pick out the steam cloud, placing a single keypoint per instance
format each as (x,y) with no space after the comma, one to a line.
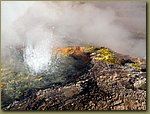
(120,26)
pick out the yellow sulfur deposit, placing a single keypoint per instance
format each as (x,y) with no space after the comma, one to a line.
(136,66)
(105,54)
(89,49)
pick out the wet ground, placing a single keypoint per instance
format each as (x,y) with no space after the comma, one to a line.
(99,79)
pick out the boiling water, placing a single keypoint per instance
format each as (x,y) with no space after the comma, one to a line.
(38,57)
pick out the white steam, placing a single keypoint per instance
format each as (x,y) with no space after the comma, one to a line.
(120,26)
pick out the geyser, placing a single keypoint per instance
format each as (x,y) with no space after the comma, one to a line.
(37,58)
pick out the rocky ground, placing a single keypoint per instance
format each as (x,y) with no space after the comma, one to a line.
(111,81)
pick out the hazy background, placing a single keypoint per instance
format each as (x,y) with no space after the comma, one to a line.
(120,26)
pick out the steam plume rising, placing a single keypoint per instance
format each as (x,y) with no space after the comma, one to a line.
(120,26)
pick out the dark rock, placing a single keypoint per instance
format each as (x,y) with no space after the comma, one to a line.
(102,87)
(124,61)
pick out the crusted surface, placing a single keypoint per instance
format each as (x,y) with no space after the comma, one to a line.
(107,85)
